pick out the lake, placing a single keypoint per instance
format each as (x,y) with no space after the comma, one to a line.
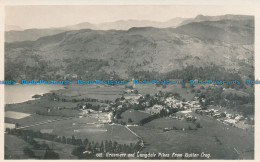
(20,93)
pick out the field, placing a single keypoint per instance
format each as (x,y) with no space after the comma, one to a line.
(233,91)
(8,125)
(14,148)
(215,138)
(239,124)
(40,110)
(91,91)
(152,89)
(38,106)
(113,92)
(169,123)
(135,116)
(16,115)
(33,119)
(85,128)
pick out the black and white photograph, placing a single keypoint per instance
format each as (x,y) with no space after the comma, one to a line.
(129,82)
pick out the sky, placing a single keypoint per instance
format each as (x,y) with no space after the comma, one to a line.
(40,16)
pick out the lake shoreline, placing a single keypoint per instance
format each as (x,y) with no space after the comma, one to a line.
(15,94)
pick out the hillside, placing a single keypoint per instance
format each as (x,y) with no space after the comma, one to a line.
(14,33)
(229,31)
(30,34)
(224,43)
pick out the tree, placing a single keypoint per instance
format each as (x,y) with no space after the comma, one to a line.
(63,139)
(122,123)
(27,151)
(73,140)
(50,154)
(115,146)
(85,141)
(79,142)
(223,115)
(78,151)
(102,146)
(198,125)
(130,120)
(147,96)
(69,140)
(8,130)
(135,91)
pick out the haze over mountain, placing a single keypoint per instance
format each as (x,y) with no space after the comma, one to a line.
(13,27)
(224,43)
(127,24)
(84,25)
(34,34)
(30,34)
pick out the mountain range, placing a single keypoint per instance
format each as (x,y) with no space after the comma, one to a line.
(15,33)
(226,42)
(33,34)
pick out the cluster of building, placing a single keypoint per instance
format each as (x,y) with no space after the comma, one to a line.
(162,102)
(226,118)
(186,117)
(172,102)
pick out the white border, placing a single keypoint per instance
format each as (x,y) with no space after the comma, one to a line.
(255,3)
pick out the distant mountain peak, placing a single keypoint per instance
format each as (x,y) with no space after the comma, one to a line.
(200,18)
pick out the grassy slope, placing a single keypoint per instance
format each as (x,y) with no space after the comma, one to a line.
(64,150)
(14,147)
(135,115)
(197,141)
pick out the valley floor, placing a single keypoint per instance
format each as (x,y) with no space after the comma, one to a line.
(165,135)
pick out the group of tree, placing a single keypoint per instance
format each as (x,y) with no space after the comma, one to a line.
(55,97)
(188,73)
(88,68)
(46,151)
(242,103)
(162,113)
(87,152)
(143,102)
(90,148)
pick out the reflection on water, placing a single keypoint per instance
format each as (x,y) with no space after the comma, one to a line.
(21,93)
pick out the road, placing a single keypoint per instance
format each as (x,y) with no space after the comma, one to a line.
(140,138)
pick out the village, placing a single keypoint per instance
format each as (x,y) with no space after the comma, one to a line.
(168,102)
